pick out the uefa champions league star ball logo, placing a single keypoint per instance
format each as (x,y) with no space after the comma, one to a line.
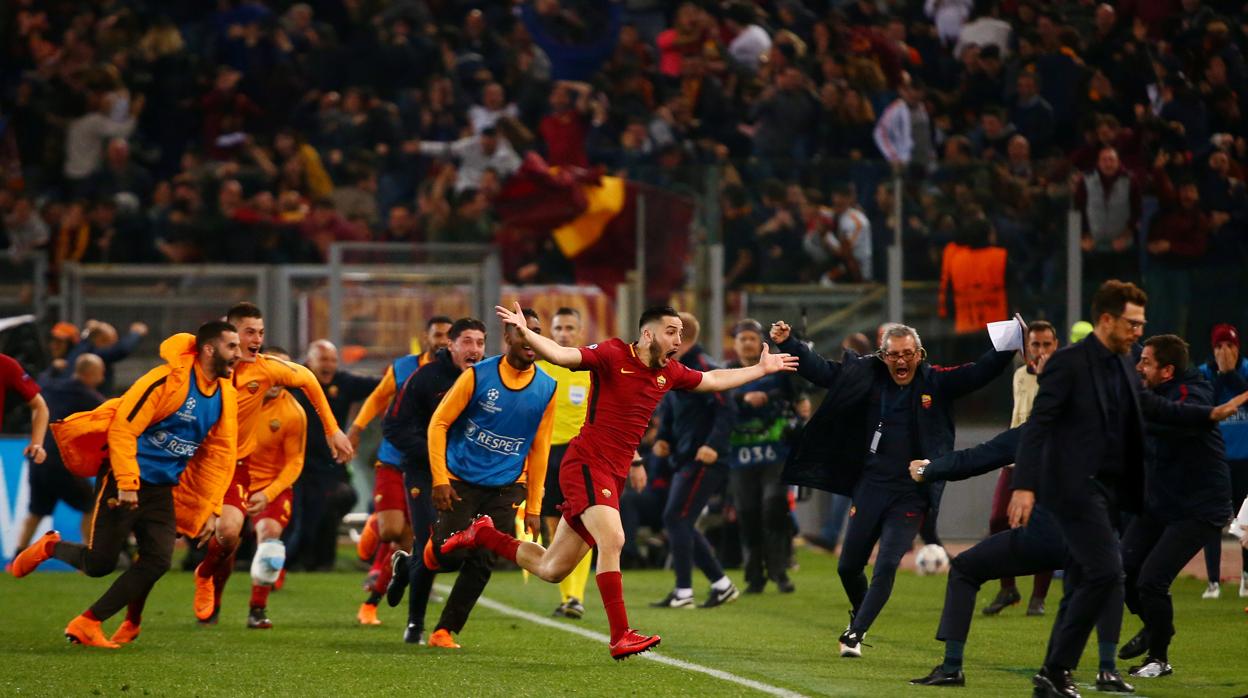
(491,396)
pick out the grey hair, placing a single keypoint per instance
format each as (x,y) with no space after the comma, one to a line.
(898,330)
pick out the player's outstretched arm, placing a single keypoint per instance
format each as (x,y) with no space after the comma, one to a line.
(729,378)
(544,347)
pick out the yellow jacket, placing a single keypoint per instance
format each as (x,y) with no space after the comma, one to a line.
(112,430)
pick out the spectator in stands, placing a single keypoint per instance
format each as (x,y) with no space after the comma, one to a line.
(23,227)
(358,201)
(109,115)
(493,106)
(849,239)
(401,226)
(750,42)
(1032,115)
(325,226)
(475,154)
(1177,240)
(903,133)
(565,129)
(1109,200)
(121,175)
(783,115)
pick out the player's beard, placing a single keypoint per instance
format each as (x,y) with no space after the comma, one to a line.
(220,367)
(655,355)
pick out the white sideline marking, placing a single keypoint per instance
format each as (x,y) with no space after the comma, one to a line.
(651,655)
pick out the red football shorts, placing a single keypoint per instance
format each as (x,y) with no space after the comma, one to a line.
(239,492)
(585,485)
(389,492)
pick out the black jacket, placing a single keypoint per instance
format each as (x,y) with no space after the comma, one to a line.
(1186,472)
(344,390)
(406,424)
(832,449)
(1062,447)
(997,452)
(690,420)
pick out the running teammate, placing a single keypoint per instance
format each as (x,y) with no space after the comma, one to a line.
(488,445)
(628,382)
(406,426)
(163,455)
(389,527)
(261,490)
(255,374)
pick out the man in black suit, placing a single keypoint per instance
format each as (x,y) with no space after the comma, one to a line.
(1082,452)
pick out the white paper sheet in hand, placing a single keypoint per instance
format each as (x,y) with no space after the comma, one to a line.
(1006,335)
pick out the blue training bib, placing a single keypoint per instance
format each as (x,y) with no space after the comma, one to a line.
(489,441)
(164,448)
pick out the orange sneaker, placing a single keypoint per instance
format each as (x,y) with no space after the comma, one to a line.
(84,631)
(205,597)
(443,638)
(367,615)
(30,558)
(370,538)
(126,633)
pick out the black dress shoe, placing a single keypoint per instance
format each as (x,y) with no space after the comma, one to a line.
(755,587)
(1135,647)
(786,585)
(1055,683)
(1111,682)
(940,677)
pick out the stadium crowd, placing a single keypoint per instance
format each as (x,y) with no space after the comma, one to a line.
(249,131)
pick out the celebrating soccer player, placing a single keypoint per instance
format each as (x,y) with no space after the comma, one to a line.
(628,382)
(261,491)
(406,427)
(171,439)
(256,373)
(389,527)
(488,445)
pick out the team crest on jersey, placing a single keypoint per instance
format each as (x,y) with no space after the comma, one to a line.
(662,381)
(253,387)
(333,391)
(606,492)
(275,424)
(926,401)
(414,492)
(377,498)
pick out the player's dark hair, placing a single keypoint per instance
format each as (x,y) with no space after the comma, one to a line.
(1041,326)
(656,312)
(1169,350)
(274,349)
(565,310)
(243,310)
(464,324)
(439,320)
(210,331)
(1112,297)
(531,313)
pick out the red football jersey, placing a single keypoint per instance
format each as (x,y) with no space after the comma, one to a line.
(14,377)
(623,395)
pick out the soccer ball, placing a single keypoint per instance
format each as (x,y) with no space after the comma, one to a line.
(932,559)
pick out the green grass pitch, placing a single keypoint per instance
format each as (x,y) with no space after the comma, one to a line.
(788,642)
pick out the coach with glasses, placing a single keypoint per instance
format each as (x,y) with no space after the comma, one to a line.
(880,412)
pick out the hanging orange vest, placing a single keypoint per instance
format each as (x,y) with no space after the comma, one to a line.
(977,278)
